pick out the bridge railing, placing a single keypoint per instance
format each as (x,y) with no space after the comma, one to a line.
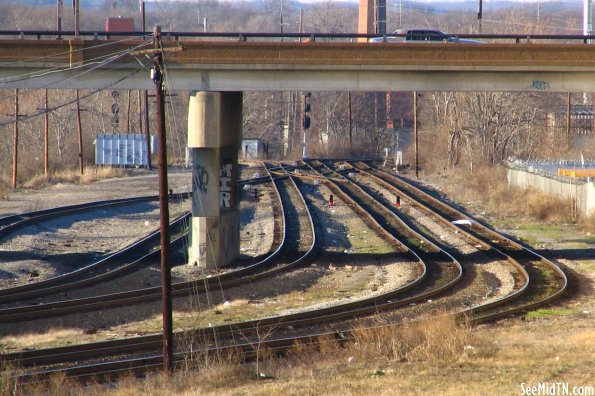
(298,37)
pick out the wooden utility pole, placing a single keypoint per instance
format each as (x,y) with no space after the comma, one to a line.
(479,17)
(147,129)
(77,25)
(59,17)
(15,156)
(128,114)
(140,111)
(568,119)
(80,131)
(350,122)
(46,135)
(415,133)
(157,75)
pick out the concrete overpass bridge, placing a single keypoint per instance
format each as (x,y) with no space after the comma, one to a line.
(218,68)
(239,62)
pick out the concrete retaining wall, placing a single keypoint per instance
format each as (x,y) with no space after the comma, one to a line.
(580,192)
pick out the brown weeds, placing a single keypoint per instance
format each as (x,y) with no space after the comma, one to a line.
(90,174)
(438,339)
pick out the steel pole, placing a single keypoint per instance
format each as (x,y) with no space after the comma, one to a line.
(164,209)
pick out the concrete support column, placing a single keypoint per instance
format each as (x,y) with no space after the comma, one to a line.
(214,138)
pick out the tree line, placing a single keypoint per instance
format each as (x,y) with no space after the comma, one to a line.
(457,129)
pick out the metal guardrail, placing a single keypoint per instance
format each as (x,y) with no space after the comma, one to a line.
(309,37)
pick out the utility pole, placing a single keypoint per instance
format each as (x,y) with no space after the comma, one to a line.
(146,98)
(77,26)
(147,129)
(157,76)
(46,136)
(80,131)
(350,122)
(281,18)
(59,7)
(16,139)
(139,110)
(415,133)
(480,16)
(142,17)
(128,114)
(568,119)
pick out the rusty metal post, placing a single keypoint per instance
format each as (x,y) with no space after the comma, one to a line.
(16,139)
(46,135)
(80,131)
(415,133)
(163,207)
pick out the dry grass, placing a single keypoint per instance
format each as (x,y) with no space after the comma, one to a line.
(438,339)
(434,357)
(41,340)
(90,174)
(587,225)
(489,185)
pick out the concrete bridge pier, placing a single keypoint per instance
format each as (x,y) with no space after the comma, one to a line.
(214,138)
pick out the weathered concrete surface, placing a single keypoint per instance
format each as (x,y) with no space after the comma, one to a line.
(214,137)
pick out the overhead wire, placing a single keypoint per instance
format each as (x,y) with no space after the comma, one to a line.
(53,108)
(96,64)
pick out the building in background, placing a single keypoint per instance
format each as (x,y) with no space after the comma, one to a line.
(253,149)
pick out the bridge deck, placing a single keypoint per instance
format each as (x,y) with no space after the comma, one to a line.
(249,65)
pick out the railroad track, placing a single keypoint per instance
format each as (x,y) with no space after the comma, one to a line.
(545,280)
(154,342)
(486,312)
(293,251)
(246,274)
(288,321)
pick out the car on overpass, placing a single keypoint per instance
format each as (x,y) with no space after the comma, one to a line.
(421,35)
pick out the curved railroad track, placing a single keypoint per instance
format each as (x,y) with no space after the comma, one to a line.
(535,291)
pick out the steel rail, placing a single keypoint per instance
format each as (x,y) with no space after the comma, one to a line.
(121,262)
(513,247)
(519,291)
(152,341)
(340,311)
(235,277)
(292,340)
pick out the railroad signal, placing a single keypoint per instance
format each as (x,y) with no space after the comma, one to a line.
(398,202)
(306,122)
(331,201)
